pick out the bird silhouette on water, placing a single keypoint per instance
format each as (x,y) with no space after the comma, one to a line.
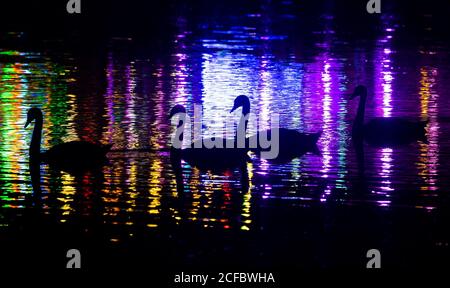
(384,131)
(217,158)
(73,157)
(291,144)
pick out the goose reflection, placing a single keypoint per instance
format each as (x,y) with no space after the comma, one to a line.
(292,144)
(74,157)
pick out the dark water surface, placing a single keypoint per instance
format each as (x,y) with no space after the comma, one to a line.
(317,211)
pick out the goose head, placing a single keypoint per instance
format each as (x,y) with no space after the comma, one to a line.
(360,90)
(241,101)
(177,109)
(33,114)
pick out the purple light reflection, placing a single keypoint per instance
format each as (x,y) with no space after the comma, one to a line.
(383,83)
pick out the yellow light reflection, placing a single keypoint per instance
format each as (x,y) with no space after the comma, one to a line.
(428,161)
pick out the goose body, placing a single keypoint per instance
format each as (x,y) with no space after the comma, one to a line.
(384,131)
(74,156)
(215,159)
(292,143)
(393,131)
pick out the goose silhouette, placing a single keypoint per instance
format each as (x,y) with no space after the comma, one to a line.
(72,157)
(384,131)
(292,143)
(197,155)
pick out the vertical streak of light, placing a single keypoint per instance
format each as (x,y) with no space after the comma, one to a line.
(181,75)
(109,98)
(180,71)
(265,92)
(11,97)
(386,168)
(130,110)
(180,66)
(246,205)
(66,195)
(429,152)
(111,191)
(132,187)
(112,194)
(384,80)
(326,117)
(160,116)
(342,148)
(155,187)
(194,187)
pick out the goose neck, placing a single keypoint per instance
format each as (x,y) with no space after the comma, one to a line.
(35,145)
(180,128)
(243,123)
(361,110)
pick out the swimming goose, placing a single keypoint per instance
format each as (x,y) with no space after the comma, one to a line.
(384,131)
(292,144)
(74,156)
